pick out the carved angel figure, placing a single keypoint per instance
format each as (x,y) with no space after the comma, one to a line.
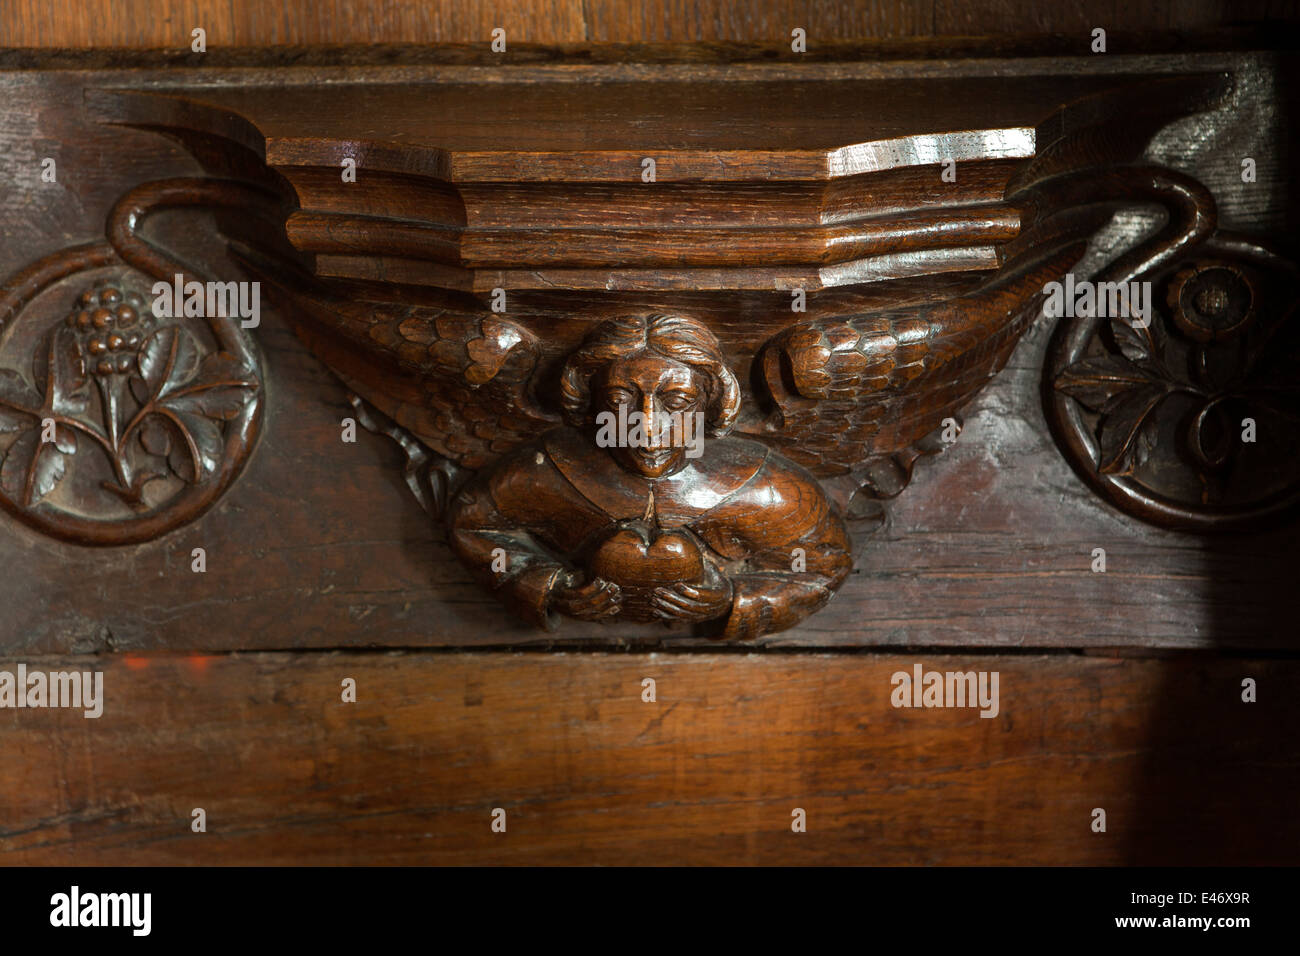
(640,529)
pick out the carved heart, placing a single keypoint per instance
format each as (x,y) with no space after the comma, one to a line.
(639,558)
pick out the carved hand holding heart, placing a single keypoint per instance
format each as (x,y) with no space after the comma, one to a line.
(639,558)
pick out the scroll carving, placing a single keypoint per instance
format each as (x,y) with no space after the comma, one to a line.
(1187,417)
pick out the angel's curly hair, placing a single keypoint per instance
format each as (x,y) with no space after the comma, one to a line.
(672,336)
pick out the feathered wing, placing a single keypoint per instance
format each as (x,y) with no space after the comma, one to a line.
(471,397)
(850,390)
(460,382)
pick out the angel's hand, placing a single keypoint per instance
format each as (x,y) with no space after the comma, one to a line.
(694,602)
(596,600)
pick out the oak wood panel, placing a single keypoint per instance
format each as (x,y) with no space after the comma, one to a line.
(319,544)
(710,773)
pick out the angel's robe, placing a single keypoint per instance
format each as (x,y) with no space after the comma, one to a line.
(522,523)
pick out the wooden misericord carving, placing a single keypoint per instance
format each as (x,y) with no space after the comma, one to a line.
(643,371)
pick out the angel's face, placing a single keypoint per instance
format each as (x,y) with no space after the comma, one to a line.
(670,398)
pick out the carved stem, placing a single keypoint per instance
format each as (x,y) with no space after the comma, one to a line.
(110,390)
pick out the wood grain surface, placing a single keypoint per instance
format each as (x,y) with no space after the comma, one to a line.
(140,23)
(588,773)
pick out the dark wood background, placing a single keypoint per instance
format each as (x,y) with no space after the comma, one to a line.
(1119,690)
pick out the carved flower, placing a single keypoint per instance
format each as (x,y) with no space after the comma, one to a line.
(1212,302)
(1212,355)
(163,398)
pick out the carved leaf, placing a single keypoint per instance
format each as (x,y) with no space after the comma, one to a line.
(1101,384)
(1122,434)
(216,392)
(220,403)
(198,454)
(194,397)
(168,359)
(1140,345)
(18,402)
(33,468)
(65,373)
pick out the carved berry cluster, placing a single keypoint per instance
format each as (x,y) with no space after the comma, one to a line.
(110,326)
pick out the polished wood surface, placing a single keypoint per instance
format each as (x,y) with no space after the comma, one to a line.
(392,291)
(710,773)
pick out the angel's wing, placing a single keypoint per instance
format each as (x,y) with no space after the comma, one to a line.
(459,381)
(853,389)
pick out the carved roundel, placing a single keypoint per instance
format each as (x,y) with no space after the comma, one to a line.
(1190,422)
(117,424)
